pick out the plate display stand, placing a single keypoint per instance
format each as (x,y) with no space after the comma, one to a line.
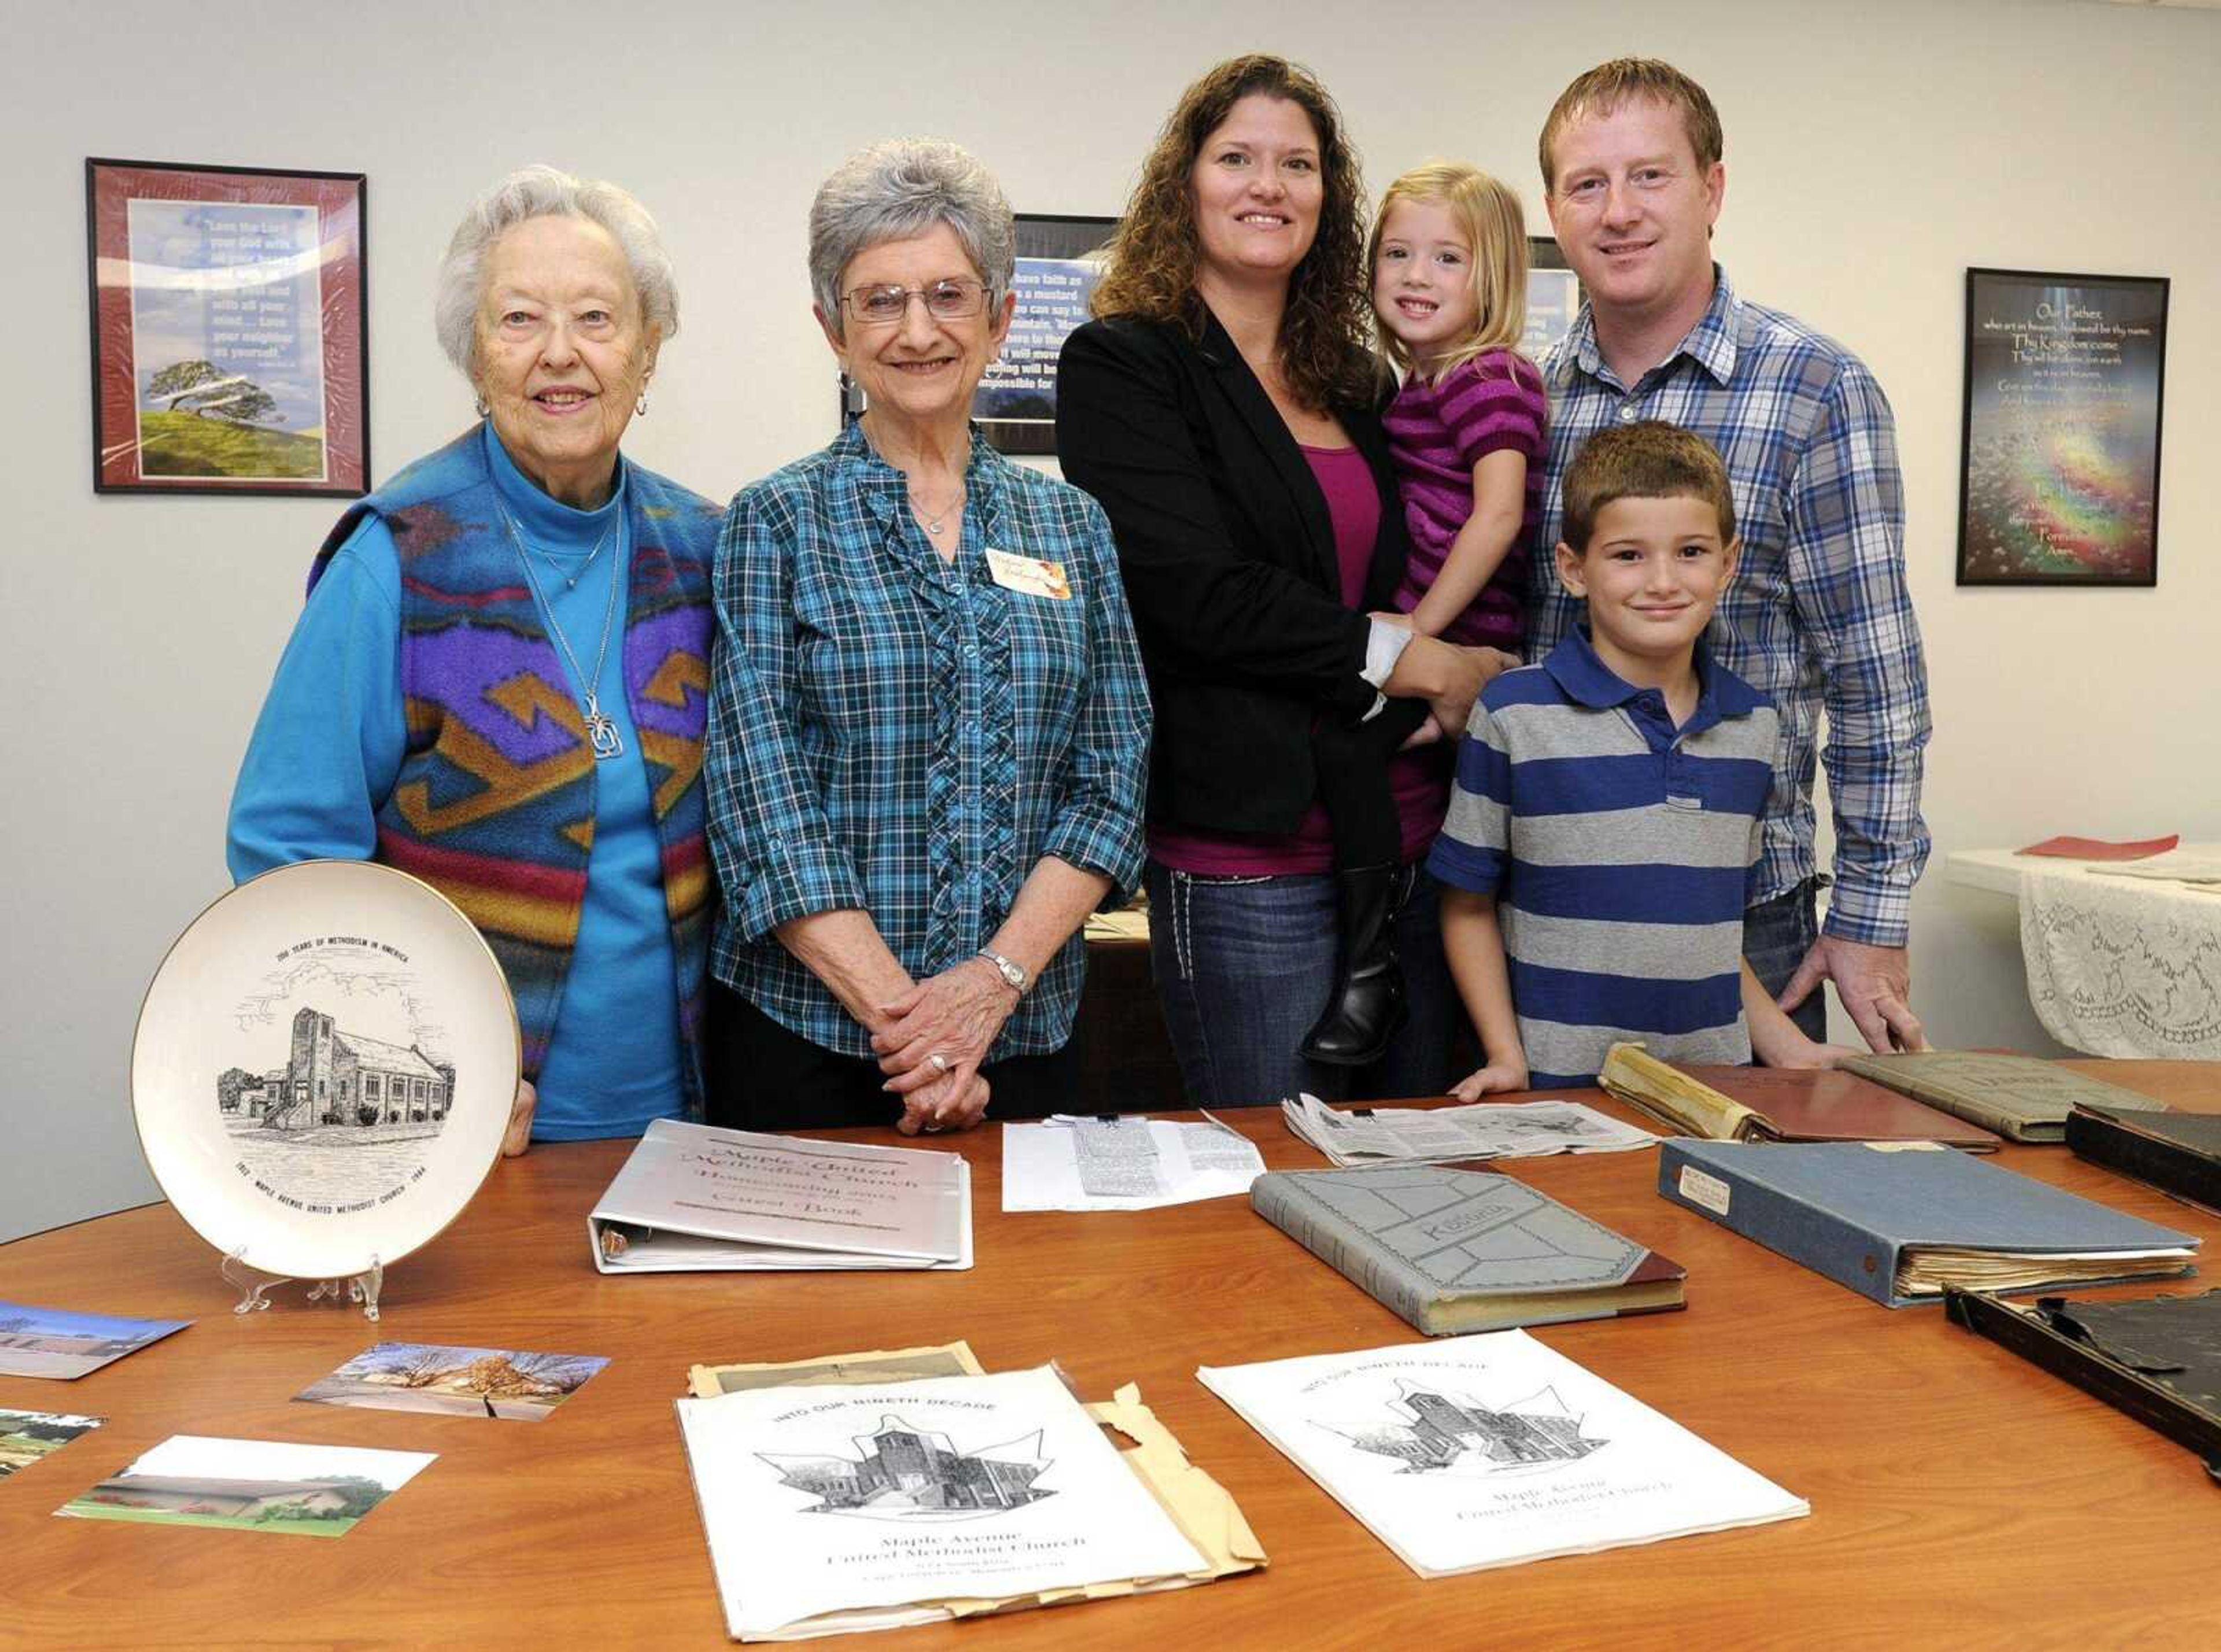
(254,1293)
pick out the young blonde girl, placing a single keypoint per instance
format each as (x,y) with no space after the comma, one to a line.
(1448,261)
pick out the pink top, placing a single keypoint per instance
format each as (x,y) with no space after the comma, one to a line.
(1419,779)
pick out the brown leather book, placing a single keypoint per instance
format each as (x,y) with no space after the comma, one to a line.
(1772,1103)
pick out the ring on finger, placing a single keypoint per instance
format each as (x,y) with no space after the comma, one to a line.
(938,1062)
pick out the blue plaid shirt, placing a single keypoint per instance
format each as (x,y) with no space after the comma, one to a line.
(896,733)
(1818,613)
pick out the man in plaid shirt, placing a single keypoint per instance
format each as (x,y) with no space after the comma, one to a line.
(1818,613)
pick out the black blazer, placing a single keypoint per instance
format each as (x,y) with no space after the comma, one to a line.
(1227,555)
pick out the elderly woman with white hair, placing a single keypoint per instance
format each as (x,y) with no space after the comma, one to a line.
(497,683)
(927,724)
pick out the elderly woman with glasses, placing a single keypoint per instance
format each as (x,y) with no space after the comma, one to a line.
(517,718)
(927,724)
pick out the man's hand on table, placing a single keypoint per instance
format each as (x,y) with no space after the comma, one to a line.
(1874,985)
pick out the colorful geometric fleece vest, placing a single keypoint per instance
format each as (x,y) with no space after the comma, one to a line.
(494,805)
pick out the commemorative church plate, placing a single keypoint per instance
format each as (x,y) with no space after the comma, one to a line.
(324,1067)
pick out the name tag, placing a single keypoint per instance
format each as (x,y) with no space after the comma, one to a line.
(1028,574)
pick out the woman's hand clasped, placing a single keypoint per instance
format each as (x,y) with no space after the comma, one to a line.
(954,1103)
(935,1037)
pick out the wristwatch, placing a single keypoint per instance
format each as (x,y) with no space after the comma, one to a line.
(1010,969)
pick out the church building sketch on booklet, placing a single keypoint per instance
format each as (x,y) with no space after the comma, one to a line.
(901,1473)
(1434,1430)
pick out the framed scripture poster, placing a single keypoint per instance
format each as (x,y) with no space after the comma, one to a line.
(1058,268)
(2058,473)
(229,347)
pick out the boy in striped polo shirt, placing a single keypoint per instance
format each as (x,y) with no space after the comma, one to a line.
(1605,820)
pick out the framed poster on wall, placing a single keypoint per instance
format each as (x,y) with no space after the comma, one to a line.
(2059,468)
(229,330)
(1554,298)
(1058,268)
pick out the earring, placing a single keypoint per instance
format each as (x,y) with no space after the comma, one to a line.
(483,406)
(642,409)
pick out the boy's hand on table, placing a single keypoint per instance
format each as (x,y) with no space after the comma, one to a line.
(1808,1056)
(1495,1077)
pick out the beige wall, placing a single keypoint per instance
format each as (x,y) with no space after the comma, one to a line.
(1874,151)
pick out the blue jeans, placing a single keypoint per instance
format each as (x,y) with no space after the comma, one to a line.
(1776,935)
(1244,967)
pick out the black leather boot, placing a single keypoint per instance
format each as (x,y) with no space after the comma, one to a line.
(1366,1009)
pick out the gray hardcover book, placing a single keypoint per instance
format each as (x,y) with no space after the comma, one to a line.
(1465,1250)
(2019,1097)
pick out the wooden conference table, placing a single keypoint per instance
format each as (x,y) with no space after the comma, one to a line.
(1959,1497)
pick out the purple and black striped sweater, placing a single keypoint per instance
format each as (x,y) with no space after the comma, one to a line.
(1438,433)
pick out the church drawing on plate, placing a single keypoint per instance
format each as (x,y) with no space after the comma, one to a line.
(335,1077)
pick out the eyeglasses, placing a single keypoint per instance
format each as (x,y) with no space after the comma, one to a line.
(945,301)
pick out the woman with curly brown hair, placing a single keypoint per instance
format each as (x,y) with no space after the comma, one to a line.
(1223,409)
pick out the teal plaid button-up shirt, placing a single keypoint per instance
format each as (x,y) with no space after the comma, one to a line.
(897,733)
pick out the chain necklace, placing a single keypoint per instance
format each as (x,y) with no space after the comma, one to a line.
(932,520)
(601,731)
(554,564)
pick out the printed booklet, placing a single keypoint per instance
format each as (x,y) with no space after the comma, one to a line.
(831,1508)
(1490,1450)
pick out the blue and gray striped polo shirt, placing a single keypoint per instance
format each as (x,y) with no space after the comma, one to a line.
(1619,850)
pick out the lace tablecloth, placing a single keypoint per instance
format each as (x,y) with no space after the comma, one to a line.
(2123,967)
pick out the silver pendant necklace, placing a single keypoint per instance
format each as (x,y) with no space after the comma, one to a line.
(601,729)
(554,564)
(932,521)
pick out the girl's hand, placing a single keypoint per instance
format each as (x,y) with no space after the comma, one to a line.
(1496,1077)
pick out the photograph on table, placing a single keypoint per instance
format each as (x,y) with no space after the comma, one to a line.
(52,1342)
(229,329)
(26,1437)
(522,1387)
(2058,472)
(300,1491)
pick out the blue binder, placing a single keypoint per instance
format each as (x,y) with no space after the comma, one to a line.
(1849,1209)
